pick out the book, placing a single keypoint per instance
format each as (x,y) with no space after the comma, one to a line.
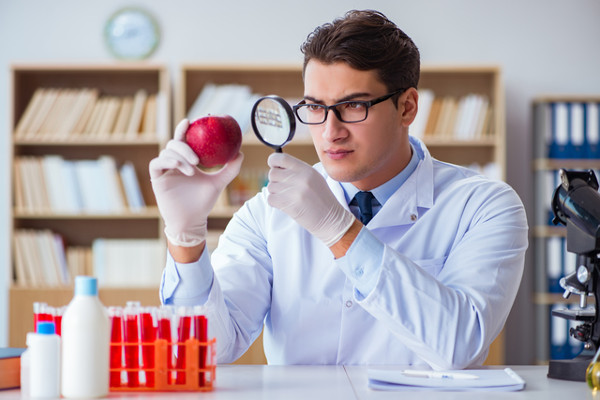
(592,130)
(434,113)
(128,262)
(417,128)
(137,113)
(123,116)
(88,103)
(52,170)
(105,127)
(39,118)
(453,380)
(131,187)
(91,186)
(24,247)
(32,109)
(110,184)
(19,190)
(10,367)
(149,116)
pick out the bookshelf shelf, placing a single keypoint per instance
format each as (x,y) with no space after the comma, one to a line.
(115,140)
(563,130)
(451,142)
(147,213)
(103,138)
(548,299)
(543,164)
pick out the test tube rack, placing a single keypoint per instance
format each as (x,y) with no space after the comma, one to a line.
(198,373)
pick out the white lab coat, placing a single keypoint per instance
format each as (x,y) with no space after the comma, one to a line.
(446,254)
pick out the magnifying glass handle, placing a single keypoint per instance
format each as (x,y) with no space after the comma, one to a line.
(278,150)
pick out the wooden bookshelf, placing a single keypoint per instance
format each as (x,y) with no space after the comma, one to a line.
(138,147)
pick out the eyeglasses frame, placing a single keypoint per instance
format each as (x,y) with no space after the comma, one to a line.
(333,107)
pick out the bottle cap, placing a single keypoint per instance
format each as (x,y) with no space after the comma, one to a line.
(86,286)
(46,328)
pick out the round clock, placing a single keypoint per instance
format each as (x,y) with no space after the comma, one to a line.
(131,33)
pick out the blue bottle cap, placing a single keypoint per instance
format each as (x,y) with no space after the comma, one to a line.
(86,286)
(46,328)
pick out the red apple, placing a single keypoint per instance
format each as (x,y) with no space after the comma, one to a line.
(216,139)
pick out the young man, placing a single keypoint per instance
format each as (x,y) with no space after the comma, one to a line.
(430,279)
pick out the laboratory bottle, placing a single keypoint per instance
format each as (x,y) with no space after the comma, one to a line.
(25,374)
(85,343)
(43,348)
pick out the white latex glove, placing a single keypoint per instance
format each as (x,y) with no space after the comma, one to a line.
(300,191)
(185,195)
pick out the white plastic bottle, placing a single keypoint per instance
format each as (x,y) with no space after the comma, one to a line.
(25,374)
(43,348)
(85,343)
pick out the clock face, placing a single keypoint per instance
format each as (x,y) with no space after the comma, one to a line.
(131,33)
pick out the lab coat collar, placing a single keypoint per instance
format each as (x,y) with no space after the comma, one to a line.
(403,206)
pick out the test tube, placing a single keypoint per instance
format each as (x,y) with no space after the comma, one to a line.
(183,333)
(40,313)
(59,311)
(164,316)
(116,344)
(201,333)
(132,340)
(148,339)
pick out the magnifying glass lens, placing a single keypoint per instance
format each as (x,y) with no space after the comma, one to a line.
(273,121)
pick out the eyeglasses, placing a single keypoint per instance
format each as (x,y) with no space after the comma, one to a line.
(347,111)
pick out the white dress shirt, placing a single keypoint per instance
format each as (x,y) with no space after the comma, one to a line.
(430,280)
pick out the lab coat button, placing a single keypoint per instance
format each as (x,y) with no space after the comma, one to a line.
(349,303)
(359,272)
(413,217)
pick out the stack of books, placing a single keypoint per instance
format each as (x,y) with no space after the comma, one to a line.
(52,184)
(42,259)
(447,117)
(64,114)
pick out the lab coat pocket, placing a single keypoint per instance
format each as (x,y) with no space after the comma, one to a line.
(432,266)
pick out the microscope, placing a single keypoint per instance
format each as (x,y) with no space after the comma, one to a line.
(576,204)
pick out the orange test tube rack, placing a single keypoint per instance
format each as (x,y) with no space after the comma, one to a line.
(199,376)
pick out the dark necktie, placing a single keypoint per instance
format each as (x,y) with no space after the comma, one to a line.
(364,204)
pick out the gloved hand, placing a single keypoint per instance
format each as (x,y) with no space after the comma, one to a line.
(300,191)
(185,195)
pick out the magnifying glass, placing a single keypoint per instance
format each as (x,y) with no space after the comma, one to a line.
(273,121)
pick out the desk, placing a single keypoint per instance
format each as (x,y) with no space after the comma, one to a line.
(250,382)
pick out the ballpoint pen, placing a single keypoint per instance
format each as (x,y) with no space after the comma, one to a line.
(438,375)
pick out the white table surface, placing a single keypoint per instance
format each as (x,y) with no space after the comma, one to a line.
(263,382)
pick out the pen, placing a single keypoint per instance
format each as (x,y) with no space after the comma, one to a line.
(438,375)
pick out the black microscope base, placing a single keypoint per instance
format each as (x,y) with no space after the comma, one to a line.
(569,370)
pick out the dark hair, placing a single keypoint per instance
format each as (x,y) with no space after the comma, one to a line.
(366,40)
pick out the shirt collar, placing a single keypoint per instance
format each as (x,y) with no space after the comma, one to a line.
(383,192)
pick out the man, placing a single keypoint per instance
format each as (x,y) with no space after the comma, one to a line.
(430,279)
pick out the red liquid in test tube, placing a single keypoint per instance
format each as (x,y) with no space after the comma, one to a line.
(132,339)
(41,312)
(59,311)
(116,346)
(183,334)
(164,332)
(148,338)
(201,333)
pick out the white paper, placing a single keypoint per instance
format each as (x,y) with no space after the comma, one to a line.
(488,380)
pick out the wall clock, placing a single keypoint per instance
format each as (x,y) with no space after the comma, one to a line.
(131,33)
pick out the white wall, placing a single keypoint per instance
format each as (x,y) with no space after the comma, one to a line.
(543,46)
